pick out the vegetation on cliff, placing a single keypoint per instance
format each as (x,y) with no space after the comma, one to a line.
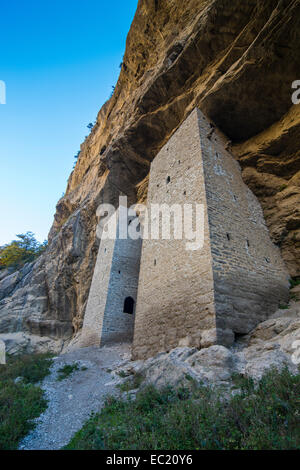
(265,416)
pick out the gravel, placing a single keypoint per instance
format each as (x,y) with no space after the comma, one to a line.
(72,400)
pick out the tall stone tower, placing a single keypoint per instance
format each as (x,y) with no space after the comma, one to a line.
(110,311)
(210,295)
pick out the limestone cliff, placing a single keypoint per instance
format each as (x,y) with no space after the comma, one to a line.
(236,61)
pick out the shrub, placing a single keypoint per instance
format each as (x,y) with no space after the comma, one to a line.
(23,401)
(257,417)
(67,370)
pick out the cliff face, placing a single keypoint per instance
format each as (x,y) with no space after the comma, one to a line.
(236,61)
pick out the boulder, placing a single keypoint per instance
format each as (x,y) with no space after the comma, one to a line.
(22,343)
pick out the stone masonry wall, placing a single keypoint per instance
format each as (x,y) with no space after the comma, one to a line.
(175,302)
(237,279)
(250,277)
(115,278)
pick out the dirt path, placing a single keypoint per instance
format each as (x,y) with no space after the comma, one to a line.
(72,400)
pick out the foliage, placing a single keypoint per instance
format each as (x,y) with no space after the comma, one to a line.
(295,282)
(265,416)
(67,370)
(18,252)
(122,374)
(21,401)
(132,383)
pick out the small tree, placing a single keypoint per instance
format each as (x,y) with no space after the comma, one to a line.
(21,251)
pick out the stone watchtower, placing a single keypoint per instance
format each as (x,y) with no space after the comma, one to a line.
(189,297)
(109,315)
(198,298)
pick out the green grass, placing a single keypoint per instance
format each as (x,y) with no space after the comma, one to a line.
(263,417)
(122,374)
(67,370)
(283,307)
(21,402)
(294,282)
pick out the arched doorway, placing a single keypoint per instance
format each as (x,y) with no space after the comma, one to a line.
(128,305)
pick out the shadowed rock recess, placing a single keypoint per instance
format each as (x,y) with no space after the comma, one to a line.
(236,62)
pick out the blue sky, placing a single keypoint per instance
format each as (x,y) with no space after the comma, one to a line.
(59,60)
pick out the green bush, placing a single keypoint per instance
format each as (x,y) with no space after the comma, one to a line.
(18,252)
(262,417)
(133,382)
(23,401)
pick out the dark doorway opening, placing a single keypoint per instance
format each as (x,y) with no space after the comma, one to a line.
(128,305)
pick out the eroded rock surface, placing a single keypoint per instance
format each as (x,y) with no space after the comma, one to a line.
(72,400)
